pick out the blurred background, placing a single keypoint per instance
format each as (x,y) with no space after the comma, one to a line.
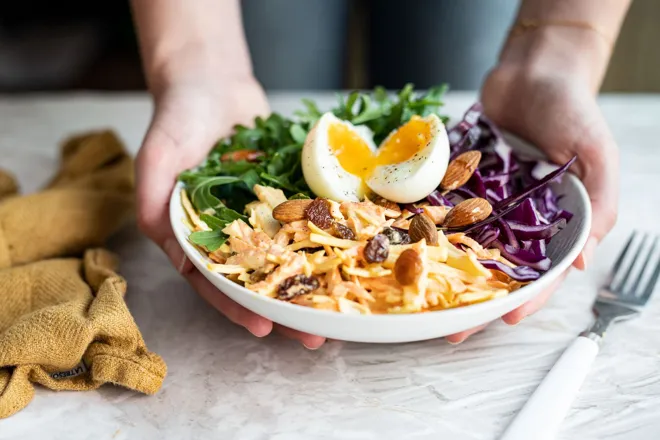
(302,44)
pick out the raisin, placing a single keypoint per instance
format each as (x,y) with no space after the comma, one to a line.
(377,249)
(318,212)
(341,231)
(396,236)
(297,285)
(258,275)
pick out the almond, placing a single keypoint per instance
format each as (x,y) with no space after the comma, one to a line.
(460,170)
(408,267)
(468,212)
(291,210)
(421,227)
(238,155)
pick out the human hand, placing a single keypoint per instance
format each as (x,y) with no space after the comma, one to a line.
(188,120)
(556,110)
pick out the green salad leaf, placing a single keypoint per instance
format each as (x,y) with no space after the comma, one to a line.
(210,240)
(219,189)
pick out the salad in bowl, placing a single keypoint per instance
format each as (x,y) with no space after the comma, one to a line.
(374,207)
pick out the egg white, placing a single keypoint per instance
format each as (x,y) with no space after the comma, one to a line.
(322,170)
(415,178)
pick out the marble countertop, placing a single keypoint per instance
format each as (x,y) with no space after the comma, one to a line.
(224,383)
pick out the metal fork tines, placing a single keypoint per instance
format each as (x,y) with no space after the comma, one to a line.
(632,281)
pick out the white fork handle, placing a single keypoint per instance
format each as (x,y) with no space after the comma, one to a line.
(544,411)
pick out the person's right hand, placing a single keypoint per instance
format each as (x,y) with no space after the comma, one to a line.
(188,120)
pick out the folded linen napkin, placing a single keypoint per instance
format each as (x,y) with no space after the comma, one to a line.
(63,320)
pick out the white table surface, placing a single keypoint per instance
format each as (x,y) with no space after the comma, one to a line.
(223,383)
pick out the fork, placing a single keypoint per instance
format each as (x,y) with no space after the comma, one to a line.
(628,289)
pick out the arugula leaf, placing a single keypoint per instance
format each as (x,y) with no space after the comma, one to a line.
(368,111)
(210,240)
(250,178)
(299,196)
(312,109)
(298,133)
(380,95)
(201,195)
(213,222)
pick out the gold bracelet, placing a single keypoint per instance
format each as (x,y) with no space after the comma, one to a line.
(522,26)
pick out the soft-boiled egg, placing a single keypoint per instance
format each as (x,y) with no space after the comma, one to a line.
(341,162)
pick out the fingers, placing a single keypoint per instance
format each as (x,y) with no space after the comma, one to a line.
(310,342)
(599,165)
(457,338)
(255,324)
(515,316)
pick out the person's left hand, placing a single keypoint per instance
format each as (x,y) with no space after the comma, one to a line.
(558,113)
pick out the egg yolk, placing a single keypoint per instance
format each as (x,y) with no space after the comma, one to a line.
(355,156)
(352,152)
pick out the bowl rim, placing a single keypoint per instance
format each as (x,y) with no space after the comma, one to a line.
(552,274)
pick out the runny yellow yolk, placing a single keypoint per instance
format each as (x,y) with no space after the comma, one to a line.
(355,156)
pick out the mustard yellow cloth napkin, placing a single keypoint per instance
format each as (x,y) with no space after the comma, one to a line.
(89,198)
(63,320)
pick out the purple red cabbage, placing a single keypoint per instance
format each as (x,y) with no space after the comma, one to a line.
(523,257)
(437,199)
(519,273)
(487,236)
(413,209)
(526,213)
(536,232)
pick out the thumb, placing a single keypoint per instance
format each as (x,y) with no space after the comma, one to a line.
(166,151)
(598,167)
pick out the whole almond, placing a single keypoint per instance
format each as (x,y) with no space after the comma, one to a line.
(408,267)
(291,210)
(421,227)
(460,170)
(468,212)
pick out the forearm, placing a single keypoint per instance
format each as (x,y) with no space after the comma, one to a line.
(575,35)
(182,41)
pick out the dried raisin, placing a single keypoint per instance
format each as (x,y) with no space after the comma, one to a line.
(297,285)
(377,249)
(258,275)
(396,236)
(341,231)
(318,212)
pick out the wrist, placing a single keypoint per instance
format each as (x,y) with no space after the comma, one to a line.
(196,65)
(578,53)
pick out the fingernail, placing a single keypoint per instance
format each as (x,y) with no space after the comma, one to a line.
(175,254)
(456,342)
(258,334)
(514,323)
(308,347)
(589,250)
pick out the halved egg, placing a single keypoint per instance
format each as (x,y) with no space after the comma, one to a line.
(341,162)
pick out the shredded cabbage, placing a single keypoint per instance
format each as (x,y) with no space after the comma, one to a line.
(526,213)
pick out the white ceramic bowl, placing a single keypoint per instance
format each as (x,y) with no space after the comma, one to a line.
(563,250)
